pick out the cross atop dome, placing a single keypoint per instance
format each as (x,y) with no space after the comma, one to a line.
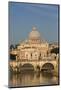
(34,28)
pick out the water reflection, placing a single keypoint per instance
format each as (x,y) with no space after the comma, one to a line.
(32,79)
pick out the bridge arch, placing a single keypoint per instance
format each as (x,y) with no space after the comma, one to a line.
(47,67)
(27,66)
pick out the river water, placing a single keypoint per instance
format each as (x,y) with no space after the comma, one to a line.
(31,79)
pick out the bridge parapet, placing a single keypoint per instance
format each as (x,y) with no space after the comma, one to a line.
(34,60)
(34,63)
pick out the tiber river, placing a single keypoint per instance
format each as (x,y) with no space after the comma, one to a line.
(32,79)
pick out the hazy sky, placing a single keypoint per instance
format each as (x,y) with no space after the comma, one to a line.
(23,16)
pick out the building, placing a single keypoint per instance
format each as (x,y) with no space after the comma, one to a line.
(33,47)
(34,51)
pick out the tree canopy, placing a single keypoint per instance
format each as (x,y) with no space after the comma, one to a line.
(11,46)
(55,50)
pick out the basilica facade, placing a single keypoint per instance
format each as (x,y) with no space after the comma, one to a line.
(34,51)
(32,48)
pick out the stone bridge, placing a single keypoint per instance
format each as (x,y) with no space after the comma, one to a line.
(40,64)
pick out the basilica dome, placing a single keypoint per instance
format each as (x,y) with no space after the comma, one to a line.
(34,34)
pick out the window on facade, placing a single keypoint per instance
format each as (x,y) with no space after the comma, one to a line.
(47,52)
(55,57)
(40,54)
(35,55)
(31,55)
(26,55)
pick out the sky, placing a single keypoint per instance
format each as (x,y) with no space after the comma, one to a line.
(23,16)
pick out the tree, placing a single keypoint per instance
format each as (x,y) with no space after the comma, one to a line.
(12,57)
(55,50)
(16,46)
(11,46)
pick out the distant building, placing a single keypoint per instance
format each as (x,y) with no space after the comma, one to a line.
(34,51)
(32,48)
